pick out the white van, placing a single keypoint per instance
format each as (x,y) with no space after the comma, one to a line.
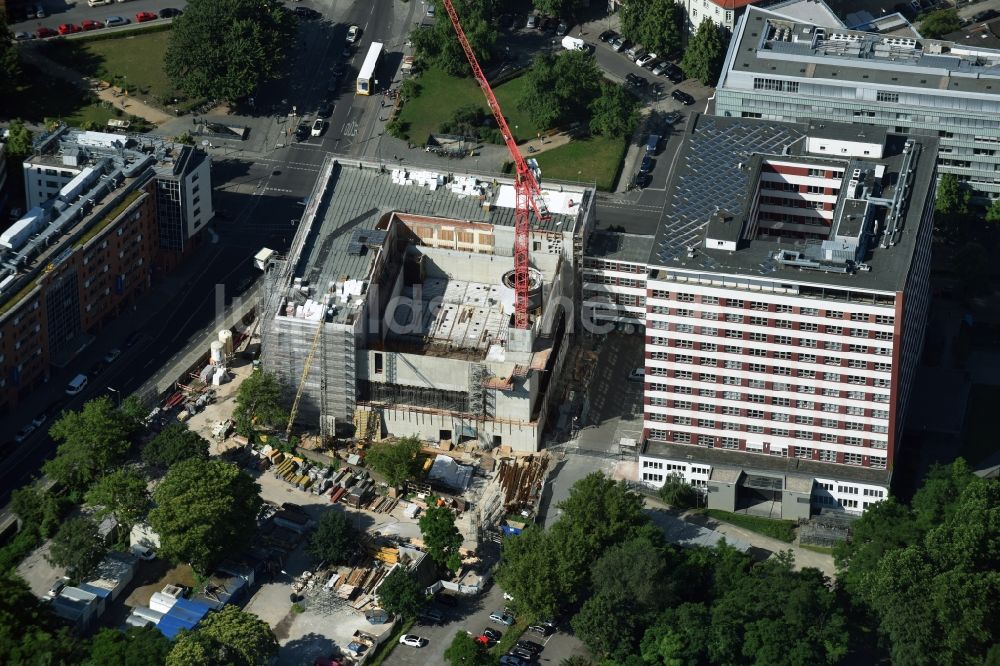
(574,44)
(76,385)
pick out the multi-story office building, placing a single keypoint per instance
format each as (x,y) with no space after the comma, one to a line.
(182,173)
(614,278)
(78,259)
(780,69)
(786,299)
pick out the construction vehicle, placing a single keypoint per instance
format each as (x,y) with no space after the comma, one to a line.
(527,191)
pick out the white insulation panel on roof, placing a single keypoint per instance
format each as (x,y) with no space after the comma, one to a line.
(558,203)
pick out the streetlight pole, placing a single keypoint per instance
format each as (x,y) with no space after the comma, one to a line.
(118,394)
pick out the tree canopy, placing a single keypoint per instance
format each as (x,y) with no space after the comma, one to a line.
(565,9)
(172,445)
(656,24)
(614,113)
(441,538)
(121,494)
(939,23)
(204,510)
(678,494)
(77,546)
(28,631)
(401,594)
(952,198)
(136,646)
(18,145)
(258,403)
(10,65)
(224,49)
(463,651)
(993,212)
(705,52)
(92,441)
(561,88)
(437,46)
(229,635)
(397,460)
(38,509)
(335,539)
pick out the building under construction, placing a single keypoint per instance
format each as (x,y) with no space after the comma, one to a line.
(395,305)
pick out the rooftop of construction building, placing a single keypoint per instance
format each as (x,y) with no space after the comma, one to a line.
(347,217)
(714,187)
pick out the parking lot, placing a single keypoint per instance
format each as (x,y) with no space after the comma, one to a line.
(472,614)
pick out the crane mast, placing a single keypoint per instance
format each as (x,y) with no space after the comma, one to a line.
(526,189)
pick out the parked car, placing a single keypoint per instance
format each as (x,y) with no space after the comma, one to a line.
(353,34)
(306,13)
(643,180)
(318,126)
(608,36)
(532,22)
(485,641)
(40,12)
(618,43)
(522,654)
(671,119)
(412,641)
(24,433)
(302,131)
(143,553)
(674,73)
(634,80)
(57,587)
(495,634)
(76,385)
(502,618)
(142,17)
(325,110)
(637,375)
(170,12)
(113,21)
(562,28)
(90,24)
(68,28)
(21,36)
(98,3)
(660,68)
(682,97)
(645,60)
(646,167)
(430,10)
(40,420)
(112,355)
(512,660)
(530,646)
(542,630)
(634,52)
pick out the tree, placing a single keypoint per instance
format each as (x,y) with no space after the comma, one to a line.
(939,23)
(614,112)
(92,441)
(401,594)
(10,64)
(174,444)
(28,633)
(77,547)
(441,538)
(951,198)
(224,49)
(396,461)
(123,495)
(38,509)
(605,510)
(657,24)
(246,638)
(704,53)
(192,648)
(134,412)
(993,212)
(885,526)
(561,88)
(678,637)
(19,141)
(136,646)
(464,651)
(438,46)
(204,510)
(335,539)
(531,571)
(678,494)
(567,9)
(258,402)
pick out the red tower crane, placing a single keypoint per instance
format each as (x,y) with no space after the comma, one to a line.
(526,188)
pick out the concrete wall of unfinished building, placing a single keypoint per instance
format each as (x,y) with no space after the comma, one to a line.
(428,425)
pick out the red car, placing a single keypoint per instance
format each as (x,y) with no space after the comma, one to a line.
(68,29)
(91,25)
(42,33)
(142,17)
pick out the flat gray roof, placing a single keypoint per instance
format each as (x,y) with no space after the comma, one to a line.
(616,246)
(934,65)
(717,169)
(749,462)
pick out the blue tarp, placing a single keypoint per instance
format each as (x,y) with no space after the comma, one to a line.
(185,614)
(510,531)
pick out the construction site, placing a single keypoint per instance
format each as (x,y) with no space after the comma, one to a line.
(394,309)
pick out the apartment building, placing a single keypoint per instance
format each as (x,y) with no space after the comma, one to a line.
(182,173)
(724,13)
(786,300)
(781,69)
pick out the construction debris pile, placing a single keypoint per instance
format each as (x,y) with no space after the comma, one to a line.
(521,481)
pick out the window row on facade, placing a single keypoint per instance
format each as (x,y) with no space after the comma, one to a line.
(786,406)
(764,306)
(767,427)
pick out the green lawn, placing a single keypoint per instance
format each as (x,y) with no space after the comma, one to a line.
(979,440)
(135,60)
(783,530)
(595,159)
(440,95)
(39,99)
